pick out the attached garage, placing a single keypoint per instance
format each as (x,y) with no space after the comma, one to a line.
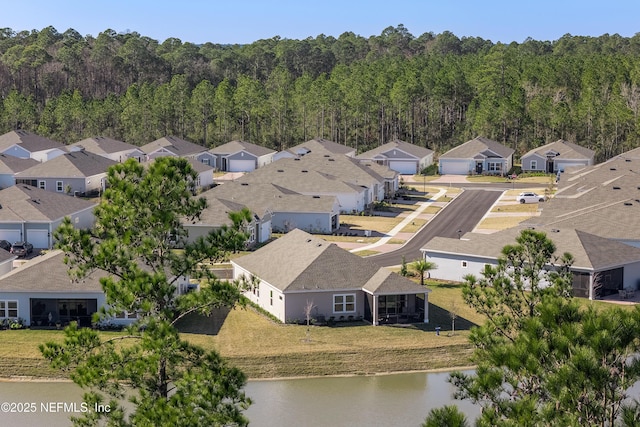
(404,167)
(38,238)
(241,165)
(11,236)
(454,167)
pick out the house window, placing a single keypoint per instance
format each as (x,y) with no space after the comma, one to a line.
(205,160)
(344,303)
(8,309)
(464,264)
(59,186)
(534,164)
(495,167)
(42,185)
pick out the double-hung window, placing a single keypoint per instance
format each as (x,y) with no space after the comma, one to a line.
(344,303)
(8,309)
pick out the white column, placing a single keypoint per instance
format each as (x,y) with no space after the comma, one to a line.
(374,311)
(426,307)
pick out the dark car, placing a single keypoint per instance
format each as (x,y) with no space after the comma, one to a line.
(4,244)
(21,248)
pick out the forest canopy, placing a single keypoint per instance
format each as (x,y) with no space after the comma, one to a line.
(435,90)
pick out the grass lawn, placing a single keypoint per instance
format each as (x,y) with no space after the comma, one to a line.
(366,252)
(382,224)
(501,223)
(350,239)
(416,224)
(517,207)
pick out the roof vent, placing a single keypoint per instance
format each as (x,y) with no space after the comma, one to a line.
(304,171)
(297,159)
(280,170)
(244,183)
(628,204)
(612,169)
(308,240)
(327,155)
(315,197)
(332,160)
(616,188)
(627,160)
(319,244)
(555,230)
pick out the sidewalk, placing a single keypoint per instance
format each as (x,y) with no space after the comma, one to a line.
(398,228)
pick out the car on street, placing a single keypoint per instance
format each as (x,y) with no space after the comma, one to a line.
(21,248)
(5,244)
(529,197)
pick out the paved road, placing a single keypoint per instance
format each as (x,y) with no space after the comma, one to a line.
(463,213)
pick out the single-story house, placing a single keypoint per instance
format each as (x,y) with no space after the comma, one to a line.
(602,199)
(601,266)
(27,145)
(30,214)
(287,209)
(10,165)
(477,156)
(400,156)
(79,172)
(556,156)
(216,215)
(171,146)
(313,145)
(204,171)
(59,299)
(241,156)
(115,150)
(336,283)
(307,179)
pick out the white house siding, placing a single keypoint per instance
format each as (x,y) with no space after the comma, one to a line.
(426,161)
(265,160)
(560,165)
(309,222)
(450,266)
(266,296)
(456,166)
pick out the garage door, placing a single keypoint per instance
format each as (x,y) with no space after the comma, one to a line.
(242,165)
(454,167)
(38,238)
(10,235)
(405,168)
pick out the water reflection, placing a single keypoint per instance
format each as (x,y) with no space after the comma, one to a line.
(399,399)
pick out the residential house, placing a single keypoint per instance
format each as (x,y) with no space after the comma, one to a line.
(216,215)
(31,214)
(27,145)
(115,150)
(477,156)
(204,171)
(172,146)
(556,156)
(298,270)
(400,156)
(284,208)
(602,199)
(241,156)
(601,266)
(289,174)
(316,144)
(77,173)
(10,165)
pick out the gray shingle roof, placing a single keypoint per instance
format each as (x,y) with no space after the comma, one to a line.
(11,165)
(29,141)
(26,203)
(565,150)
(590,252)
(79,164)
(386,282)
(217,212)
(29,277)
(414,150)
(319,144)
(103,145)
(477,145)
(177,146)
(308,263)
(603,200)
(237,146)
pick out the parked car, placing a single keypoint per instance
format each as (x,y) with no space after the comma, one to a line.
(529,197)
(5,244)
(21,248)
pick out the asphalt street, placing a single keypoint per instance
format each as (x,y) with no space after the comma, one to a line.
(460,216)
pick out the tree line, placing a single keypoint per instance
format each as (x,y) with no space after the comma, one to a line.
(435,90)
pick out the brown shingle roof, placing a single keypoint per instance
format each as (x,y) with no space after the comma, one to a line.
(177,146)
(414,150)
(237,146)
(79,164)
(475,146)
(29,141)
(26,203)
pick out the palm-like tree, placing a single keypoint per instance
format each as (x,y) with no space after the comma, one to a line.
(421,266)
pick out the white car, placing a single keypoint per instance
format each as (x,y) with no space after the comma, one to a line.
(529,198)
